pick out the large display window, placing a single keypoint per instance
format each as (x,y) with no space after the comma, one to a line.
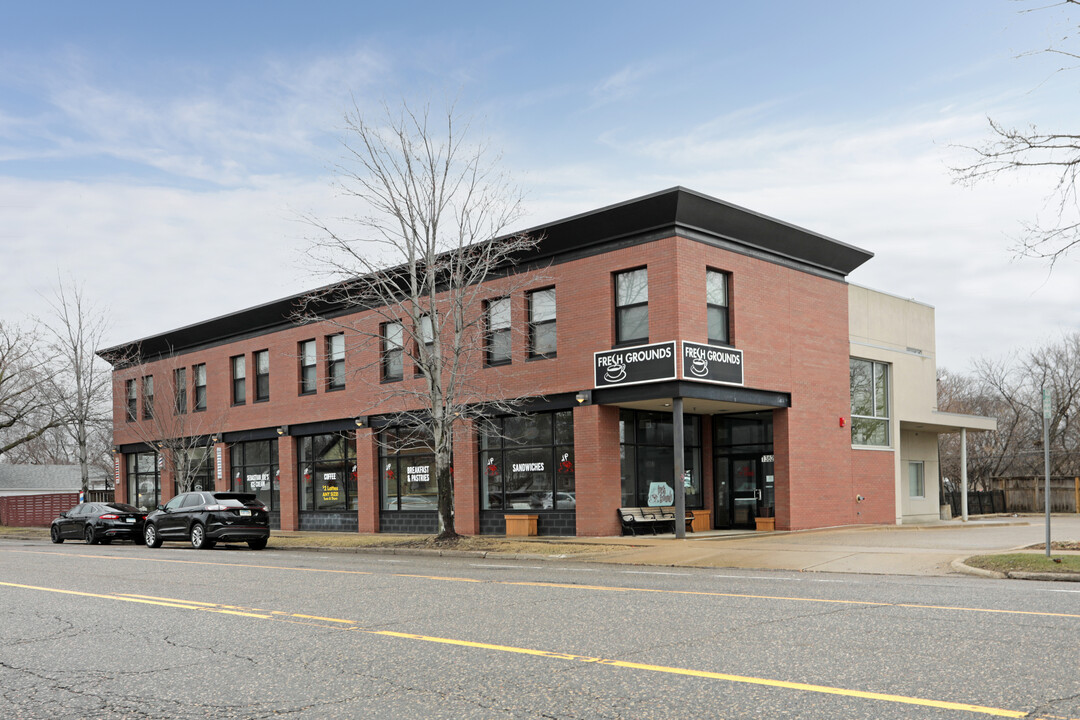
(327,472)
(253,467)
(407,470)
(527,463)
(646,445)
(143,481)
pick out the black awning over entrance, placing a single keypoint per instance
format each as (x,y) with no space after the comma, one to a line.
(712,398)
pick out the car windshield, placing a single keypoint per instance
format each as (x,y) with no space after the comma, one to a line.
(122,507)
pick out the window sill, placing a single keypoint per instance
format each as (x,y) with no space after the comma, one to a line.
(309,392)
(551,356)
(500,363)
(334,389)
(384,381)
(886,448)
(261,400)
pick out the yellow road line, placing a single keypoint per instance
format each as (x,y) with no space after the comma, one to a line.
(570,586)
(705,674)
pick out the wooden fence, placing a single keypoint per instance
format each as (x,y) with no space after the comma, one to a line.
(35,510)
(1028,494)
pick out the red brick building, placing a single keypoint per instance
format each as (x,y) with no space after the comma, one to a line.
(617,315)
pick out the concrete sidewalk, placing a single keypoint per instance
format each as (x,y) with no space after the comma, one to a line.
(890,550)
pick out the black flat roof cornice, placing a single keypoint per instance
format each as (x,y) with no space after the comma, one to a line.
(676,209)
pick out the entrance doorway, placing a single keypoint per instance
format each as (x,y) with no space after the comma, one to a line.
(744,489)
(742,469)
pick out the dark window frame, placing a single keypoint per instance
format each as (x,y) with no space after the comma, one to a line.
(534,324)
(391,356)
(878,416)
(725,309)
(308,378)
(261,378)
(335,366)
(497,335)
(131,400)
(239,383)
(199,387)
(497,444)
(147,397)
(180,399)
(622,310)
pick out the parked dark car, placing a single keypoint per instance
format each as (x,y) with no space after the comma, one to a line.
(206,518)
(99,523)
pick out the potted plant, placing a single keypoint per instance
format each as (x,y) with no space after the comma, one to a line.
(764,520)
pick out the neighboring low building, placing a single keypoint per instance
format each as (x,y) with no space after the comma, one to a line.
(42,479)
(806,398)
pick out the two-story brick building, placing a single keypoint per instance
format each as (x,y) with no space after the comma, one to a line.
(804,397)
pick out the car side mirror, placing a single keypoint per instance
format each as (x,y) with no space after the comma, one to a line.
(63,514)
(160,507)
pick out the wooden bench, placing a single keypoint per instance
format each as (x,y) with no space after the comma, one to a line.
(660,519)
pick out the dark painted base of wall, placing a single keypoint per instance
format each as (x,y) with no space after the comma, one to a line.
(275,519)
(330,521)
(412,523)
(561,524)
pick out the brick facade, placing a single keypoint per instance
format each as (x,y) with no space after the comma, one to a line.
(790,321)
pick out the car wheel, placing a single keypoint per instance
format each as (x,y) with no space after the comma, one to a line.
(88,537)
(151,537)
(257,544)
(54,535)
(198,537)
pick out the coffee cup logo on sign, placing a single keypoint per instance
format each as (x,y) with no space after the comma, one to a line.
(699,367)
(615,373)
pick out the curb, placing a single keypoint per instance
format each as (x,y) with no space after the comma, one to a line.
(959,566)
(1059,577)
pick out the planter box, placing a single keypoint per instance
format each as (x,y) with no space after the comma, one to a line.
(765,524)
(702,520)
(520,525)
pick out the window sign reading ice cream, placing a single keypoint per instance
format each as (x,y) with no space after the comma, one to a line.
(632,365)
(711,363)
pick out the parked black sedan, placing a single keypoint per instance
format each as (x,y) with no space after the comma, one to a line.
(206,518)
(94,523)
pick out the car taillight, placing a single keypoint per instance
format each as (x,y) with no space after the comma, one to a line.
(109,517)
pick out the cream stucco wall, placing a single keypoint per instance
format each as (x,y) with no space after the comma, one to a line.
(900,332)
(919,446)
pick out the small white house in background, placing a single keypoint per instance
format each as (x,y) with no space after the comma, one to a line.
(45,479)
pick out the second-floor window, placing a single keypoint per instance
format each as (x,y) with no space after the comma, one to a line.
(239,380)
(542,323)
(198,373)
(307,367)
(132,400)
(392,351)
(632,307)
(335,361)
(262,375)
(180,388)
(497,345)
(148,397)
(716,301)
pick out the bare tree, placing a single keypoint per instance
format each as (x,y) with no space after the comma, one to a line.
(26,400)
(1011,390)
(73,330)
(435,212)
(1011,150)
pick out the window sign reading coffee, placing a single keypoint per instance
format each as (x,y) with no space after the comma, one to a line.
(630,366)
(709,363)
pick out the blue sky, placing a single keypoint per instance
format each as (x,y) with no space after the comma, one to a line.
(150,146)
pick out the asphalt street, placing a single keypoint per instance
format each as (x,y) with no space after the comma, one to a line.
(129,632)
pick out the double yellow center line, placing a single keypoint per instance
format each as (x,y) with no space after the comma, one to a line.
(352,626)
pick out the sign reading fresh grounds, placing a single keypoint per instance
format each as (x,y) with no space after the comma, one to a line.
(629,366)
(710,363)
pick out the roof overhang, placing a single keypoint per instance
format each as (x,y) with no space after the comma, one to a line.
(942,422)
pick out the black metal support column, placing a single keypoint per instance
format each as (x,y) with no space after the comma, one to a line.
(680,455)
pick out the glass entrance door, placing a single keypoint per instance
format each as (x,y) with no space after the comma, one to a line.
(744,489)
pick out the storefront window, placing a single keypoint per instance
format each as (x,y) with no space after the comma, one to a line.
(144,481)
(647,456)
(254,469)
(327,472)
(527,463)
(196,468)
(407,469)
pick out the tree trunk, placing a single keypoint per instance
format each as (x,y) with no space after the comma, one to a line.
(445,481)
